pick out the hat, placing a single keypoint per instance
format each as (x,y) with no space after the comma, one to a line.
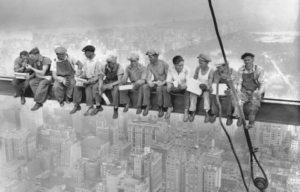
(89,48)
(247,55)
(220,62)
(204,57)
(111,58)
(60,50)
(34,51)
(133,56)
(152,52)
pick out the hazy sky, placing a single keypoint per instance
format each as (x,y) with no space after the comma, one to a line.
(71,13)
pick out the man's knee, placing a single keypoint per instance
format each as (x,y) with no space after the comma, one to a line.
(146,87)
(57,85)
(32,82)
(159,89)
(14,82)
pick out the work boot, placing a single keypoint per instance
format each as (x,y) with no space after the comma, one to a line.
(229,121)
(192,116)
(186,115)
(36,106)
(68,100)
(239,122)
(62,103)
(75,109)
(139,110)
(115,115)
(168,113)
(160,112)
(212,118)
(126,108)
(251,119)
(89,111)
(16,95)
(146,111)
(207,117)
(96,110)
(23,101)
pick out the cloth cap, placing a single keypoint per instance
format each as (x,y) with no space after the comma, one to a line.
(60,50)
(111,58)
(34,51)
(246,55)
(204,57)
(220,62)
(134,56)
(152,52)
(89,48)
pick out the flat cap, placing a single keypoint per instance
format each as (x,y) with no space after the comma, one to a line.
(60,50)
(111,58)
(89,48)
(133,56)
(247,55)
(34,51)
(152,52)
(204,57)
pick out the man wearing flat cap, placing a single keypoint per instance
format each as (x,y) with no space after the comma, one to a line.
(204,74)
(43,78)
(92,73)
(22,85)
(251,86)
(137,74)
(159,70)
(223,76)
(113,72)
(63,72)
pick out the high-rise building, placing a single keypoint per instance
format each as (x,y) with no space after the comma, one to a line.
(93,147)
(70,153)
(144,134)
(92,169)
(121,149)
(79,171)
(212,177)
(175,175)
(113,178)
(193,169)
(107,132)
(134,185)
(153,170)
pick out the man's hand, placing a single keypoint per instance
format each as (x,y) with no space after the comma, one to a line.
(48,78)
(109,86)
(160,83)
(28,66)
(60,79)
(135,86)
(183,86)
(257,94)
(151,84)
(169,89)
(78,73)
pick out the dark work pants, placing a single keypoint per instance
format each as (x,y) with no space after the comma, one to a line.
(147,92)
(40,88)
(20,86)
(168,100)
(91,93)
(116,95)
(60,90)
(125,99)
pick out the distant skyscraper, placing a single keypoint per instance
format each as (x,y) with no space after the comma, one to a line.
(70,153)
(153,170)
(212,178)
(107,132)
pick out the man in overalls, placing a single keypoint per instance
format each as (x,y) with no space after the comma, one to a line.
(21,85)
(114,73)
(136,73)
(222,76)
(63,72)
(43,78)
(251,86)
(159,70)
(204,74)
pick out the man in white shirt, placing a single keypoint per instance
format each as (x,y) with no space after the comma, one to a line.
(92,73)
(63,72)
(177,78)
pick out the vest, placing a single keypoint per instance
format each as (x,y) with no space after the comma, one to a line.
(64,69)
(111,75)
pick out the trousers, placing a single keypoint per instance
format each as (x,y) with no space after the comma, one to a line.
(194,100)
(20,86)
(40,89)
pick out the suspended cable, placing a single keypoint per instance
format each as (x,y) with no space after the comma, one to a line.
(259,182)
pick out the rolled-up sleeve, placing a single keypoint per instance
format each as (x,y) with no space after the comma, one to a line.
(100,68)
(144,73)
(53,67)
(120,70)
(261,80)
(169,77)
(17,65)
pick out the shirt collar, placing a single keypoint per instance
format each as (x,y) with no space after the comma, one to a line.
(110,68)
(244,68)
(183,69)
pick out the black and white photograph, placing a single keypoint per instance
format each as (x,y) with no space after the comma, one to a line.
(149,96)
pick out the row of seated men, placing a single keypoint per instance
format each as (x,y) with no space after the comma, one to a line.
(157,76)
